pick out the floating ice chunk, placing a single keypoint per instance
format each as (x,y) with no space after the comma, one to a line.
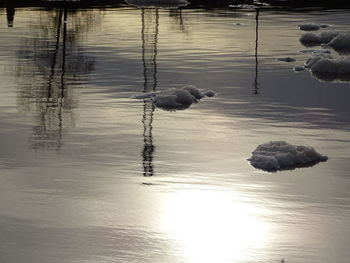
(196,93)
(286,59)
(280,155)
(324,26)
(175,99)
(170,4)
(314,39)
(309,27)
(209,93)
(298,68)
(315,58)
(329,69)
(341,42)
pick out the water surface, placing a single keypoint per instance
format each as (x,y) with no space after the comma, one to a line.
(88,174)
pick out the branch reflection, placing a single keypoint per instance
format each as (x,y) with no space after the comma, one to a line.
(149,34)
(256,83)
(54,61)
(10,14)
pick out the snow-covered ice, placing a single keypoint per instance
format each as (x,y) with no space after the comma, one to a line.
(280,155)
(341,43)
(328,69)
(314,39)
(176,99)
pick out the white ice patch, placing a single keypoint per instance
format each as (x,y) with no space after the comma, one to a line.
(280,155)
(170,4)
(175,99)
(309,27)
(314,39)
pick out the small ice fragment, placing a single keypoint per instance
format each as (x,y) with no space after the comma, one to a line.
(286,59)
(280,155)
(324,26)
(209,93)
(298,68)
(309,27)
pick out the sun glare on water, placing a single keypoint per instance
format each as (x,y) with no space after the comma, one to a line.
(215,226)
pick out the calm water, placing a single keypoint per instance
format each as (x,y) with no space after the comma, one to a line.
(88,174)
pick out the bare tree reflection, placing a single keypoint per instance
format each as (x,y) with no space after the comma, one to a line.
(176,14)
(10,14)
(56,64)
(149,35)
(256,83)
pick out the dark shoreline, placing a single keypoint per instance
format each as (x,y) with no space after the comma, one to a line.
(193,3)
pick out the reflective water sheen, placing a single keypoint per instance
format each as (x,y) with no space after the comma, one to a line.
(88,174)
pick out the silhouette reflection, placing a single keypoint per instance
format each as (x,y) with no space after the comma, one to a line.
(256,83)
(10,14)
(56,64)
(149,35)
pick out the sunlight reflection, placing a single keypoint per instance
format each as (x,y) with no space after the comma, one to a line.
(215,226)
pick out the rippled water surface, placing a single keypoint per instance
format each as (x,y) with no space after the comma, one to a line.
(89,174)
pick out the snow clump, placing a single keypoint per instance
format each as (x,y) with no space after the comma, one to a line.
(280,155)
(176,99)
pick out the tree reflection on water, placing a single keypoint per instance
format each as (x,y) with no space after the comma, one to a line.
(149,35)
(55,65)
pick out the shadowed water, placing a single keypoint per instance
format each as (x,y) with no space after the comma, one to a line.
(90,174)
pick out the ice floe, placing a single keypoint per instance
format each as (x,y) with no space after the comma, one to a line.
(341,42)
(280,155)
(326,68)
(309,27)
(176,99)
(169,4)
(313,39)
